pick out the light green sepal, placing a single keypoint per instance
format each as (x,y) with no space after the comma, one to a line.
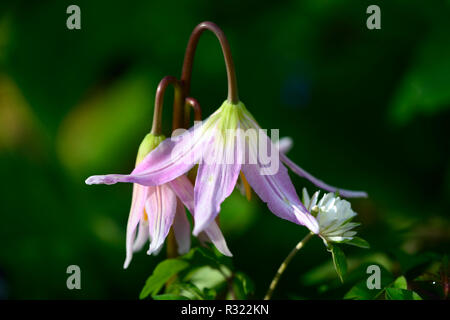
(149,143)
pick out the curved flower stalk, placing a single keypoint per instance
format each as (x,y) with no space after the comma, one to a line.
(334,217)
(155,209)
(223,145)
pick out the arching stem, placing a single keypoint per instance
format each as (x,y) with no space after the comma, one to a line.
(159,101)
(193,103)
(189,59)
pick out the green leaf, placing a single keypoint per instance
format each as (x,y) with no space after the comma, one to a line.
(339,261)
(361,291)
(400,283)
(169,296)
(206,277)
(358,242)
(199,257)
(162,273)
(243,285)
(209,294)
(194,293)
(401,294)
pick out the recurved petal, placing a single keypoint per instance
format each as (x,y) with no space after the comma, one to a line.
(284,146)
(182,229)
(172,158)
(136,213)
(160,207)
(319,183)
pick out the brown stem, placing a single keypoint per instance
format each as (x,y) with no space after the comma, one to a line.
(172,248)
(156,130)
(159,101)
(189,59)
(192,102)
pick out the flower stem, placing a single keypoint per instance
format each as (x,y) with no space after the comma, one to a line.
(193,103)
(283,266)
(159,101)
(189,59)
(171,245)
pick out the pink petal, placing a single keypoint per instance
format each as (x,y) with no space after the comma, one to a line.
(182,229)
(216,237)
(142,236)
(284,146)
(276,189)
(136,213)
(184,190)
(172,158)
(322,185)
(216,179)
(160,207)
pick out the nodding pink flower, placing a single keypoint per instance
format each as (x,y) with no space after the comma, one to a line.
(227,143)
(155,209)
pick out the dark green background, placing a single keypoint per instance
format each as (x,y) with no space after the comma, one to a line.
(367,109)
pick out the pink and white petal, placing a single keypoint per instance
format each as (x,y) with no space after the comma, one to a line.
(216,180)
(172,158)
(160,207)
(215,236)
(182,229)
(319,183)
(184,190)
(251,123)
(142,235)
(136,213)
(276,189)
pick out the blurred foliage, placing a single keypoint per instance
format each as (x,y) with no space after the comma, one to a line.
(367,109)
(201,274)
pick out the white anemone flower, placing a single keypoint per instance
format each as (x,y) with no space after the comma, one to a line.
(334,216)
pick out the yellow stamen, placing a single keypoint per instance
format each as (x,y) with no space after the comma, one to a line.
(145,215)
(248,190)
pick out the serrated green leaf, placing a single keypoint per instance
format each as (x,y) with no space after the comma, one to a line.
(339,261)
(400,283)
(162,273)
(401,294)
(169,296)
(358,242)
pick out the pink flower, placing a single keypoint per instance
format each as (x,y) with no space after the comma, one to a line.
(219,145)
(155,209)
